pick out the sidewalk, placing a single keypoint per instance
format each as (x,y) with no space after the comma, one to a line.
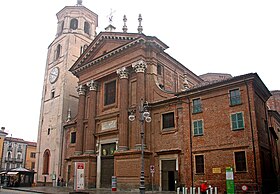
(66,190)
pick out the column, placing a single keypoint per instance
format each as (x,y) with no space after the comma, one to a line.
(80,120)
(123,121)
(139,67)
(90,133)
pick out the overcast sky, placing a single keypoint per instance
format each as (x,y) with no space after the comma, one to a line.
(225,36)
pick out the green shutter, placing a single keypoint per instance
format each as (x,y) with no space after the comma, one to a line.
(240,120)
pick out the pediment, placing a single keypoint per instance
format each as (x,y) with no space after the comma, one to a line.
(107,44)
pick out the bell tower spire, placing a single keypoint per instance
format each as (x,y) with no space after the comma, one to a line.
(79,2)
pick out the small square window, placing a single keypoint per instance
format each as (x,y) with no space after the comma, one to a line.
(73,137)
(110,93)
(237,121)
(198,127)
(32,155)
(168,120)
(240,161)
(235,97)
(199,164)
(197,106)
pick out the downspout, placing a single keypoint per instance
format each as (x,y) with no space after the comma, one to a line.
(252,132)
(190,126)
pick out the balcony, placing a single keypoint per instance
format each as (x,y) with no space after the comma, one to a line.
(13,160)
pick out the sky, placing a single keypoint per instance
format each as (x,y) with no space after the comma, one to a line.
(206,36)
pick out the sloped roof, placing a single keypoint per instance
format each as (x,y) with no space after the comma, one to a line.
(216,83)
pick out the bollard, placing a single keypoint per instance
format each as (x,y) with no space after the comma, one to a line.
(211,190)
(186,190)
(191,191)
(178,190)
(216,190)
(114,183)
(183,190)
(198,190)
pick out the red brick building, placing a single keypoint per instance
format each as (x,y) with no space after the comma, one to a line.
(197,129)
(226,125)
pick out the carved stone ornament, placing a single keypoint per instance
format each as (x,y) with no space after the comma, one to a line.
(92,85)
(186,83)
(81,90)
(123,73)
(139,66)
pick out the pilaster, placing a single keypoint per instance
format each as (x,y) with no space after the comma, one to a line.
(140,68)
(123,124)
(80,118)
(90,133)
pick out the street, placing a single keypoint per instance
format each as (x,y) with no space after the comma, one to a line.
(6,191)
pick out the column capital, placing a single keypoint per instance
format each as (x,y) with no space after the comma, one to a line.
(139,66)
(93,85)
(81,90)
(123,73)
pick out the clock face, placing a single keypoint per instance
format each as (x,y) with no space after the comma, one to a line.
(54,74)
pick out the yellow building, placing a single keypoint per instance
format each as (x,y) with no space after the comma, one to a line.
(30,155)
(3,134)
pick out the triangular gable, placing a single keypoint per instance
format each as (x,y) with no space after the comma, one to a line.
(107,44)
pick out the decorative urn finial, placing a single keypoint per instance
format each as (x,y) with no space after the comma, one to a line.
(124,25)
(140,28)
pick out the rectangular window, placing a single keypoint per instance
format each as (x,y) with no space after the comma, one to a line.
(235,97)
(73,137)
(159,69)
(199,164)
(168,120)
(237,121)
(32,165)
(32,155)
(198,127)
(110,93)
(197,105)
(240,161)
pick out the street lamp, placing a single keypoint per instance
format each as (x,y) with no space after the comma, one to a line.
(144,117)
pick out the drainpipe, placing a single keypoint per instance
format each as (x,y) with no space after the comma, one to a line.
(252,132)
(190,126)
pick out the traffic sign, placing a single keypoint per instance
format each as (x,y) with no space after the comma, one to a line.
(152,169)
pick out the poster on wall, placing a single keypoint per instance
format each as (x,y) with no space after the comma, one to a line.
(79,174)
(229,180)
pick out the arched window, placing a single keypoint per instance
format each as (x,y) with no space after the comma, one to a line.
(9,155)
(86,27)
(74,24)
(46,161)
(57,51)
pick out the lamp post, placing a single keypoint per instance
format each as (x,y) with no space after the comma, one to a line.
(144,117)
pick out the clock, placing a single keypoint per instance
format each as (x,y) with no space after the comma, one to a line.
(54,74)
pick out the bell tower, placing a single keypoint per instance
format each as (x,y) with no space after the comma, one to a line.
(76,28)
